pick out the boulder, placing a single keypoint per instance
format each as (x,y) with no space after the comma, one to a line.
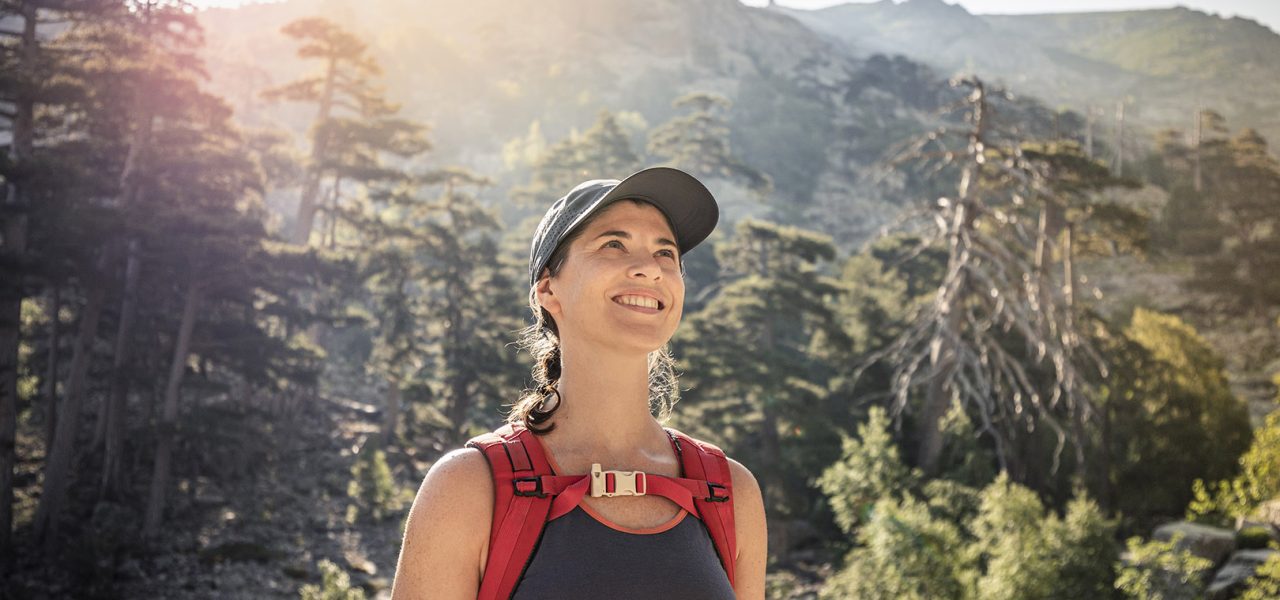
(1213,543)
(1229,581)
(1268,512)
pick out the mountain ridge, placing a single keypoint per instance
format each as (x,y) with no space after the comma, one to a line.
(1165,63)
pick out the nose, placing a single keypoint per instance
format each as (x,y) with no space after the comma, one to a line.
(645,268)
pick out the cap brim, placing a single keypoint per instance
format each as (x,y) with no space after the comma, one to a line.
(688,205)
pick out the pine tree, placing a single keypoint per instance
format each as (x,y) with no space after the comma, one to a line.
(1243,180)
(30,72)
(354,121)
(698,142)
(775,308)
(603,151)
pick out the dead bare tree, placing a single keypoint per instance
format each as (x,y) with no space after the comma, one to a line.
(999,335)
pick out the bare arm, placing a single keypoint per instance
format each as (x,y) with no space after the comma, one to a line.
(753,541)
(447,535)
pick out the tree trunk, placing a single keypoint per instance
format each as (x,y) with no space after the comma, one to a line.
(942,356)
(169,418)
(319,149)
(116,406)
(51,368)
(57,470)
(112,424)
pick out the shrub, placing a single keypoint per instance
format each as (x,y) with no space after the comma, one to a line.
(335,584)
(372,489)
(1265,583)
(1258,481)
(870,469)
(904,553)
(1155,570)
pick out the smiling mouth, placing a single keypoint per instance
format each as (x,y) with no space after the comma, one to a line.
(639,301)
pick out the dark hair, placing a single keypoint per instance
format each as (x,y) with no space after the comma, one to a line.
(535,407)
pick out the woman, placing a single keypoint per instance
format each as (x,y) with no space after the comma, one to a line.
(607,293)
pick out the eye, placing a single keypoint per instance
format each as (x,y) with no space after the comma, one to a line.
(614,244)
(668,254)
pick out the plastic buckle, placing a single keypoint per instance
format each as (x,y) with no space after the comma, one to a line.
(534,490)
(616,483)
(714,490)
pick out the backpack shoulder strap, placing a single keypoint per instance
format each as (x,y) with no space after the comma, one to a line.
(701,460)
(520,506)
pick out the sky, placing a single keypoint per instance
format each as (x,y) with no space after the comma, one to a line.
(1266,12)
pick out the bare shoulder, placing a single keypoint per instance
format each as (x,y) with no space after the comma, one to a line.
(448,529)
(464,468)
(748,502)
(751,529)
(743,480)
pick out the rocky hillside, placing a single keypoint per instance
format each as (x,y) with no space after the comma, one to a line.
(482,72)
(1164,62)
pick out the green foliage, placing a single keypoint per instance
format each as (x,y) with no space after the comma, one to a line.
(1265,582)
(1155,570)
(868,470)
(1169,416)
(1010,539)
(698,142)
(774,412)
(373,490)
(1086,551)
(1030,554)
(958,542)
(335,585)
(904,553)
(1257,481)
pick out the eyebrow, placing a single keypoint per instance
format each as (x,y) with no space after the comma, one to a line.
(626,236)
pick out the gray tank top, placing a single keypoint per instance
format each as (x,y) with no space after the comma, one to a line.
(584,556)
(581,557)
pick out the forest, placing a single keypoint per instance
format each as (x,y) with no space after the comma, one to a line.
(972,345)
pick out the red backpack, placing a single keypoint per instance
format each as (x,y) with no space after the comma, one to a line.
(528,494)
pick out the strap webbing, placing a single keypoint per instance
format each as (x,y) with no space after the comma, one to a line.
(528,494)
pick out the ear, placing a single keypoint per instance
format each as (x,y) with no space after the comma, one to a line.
(546,296)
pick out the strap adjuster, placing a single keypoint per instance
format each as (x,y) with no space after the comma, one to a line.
(616,483)
(717,493)
(529,486)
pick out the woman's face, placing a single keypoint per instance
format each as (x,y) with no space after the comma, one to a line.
(620,285)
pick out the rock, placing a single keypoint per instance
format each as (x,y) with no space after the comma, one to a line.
(359,563)
(1268,512)
(1231,578)
(373,585)
(1213,543)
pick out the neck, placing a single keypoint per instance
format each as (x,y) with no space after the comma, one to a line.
(606,400)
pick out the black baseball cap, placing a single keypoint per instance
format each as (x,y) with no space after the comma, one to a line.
(687,204)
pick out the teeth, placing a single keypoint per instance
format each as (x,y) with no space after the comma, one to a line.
(644,301)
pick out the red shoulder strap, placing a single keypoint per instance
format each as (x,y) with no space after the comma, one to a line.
(701,460)
(519,510)
(525,488)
